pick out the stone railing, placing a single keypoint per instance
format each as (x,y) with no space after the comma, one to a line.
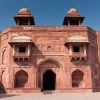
(78,54)
(20,54)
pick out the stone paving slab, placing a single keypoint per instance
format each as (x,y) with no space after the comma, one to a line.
(54,96)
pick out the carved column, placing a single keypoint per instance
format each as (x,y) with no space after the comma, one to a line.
(13,49)
(17,49)
(42,81)
(36,79)
(18,22)
(79,22)
(13,82)
(0,75)
(29,22)
(68,22)
(28,49)
(70,45)
(85,49)
(57,85)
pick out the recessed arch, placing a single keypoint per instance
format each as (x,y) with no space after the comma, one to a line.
(50,60)
(77,78)
(48,64)
(21,79)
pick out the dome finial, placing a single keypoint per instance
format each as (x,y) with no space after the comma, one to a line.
(72,10)
(24,9)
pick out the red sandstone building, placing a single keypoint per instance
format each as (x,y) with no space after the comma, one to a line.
(59,58)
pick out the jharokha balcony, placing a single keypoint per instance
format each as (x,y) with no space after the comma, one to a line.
(21,56)
(77,56)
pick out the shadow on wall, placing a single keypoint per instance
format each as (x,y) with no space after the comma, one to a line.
(2,90)
(7,95)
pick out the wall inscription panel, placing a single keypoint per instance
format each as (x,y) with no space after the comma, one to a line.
(50,40)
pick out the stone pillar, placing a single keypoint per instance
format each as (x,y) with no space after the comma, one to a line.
(13,49)
(56,85)
(79,22)
(70,49)
(29,23)
(42,81)
(28,49)
(18,22)
(7,78)
(85,49)
(68,22)
(59,83)
(35,79)
(13,82)
(0,75)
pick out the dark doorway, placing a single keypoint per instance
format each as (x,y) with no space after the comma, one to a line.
(49,80)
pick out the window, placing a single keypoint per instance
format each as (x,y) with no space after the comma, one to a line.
(76,49)
(22,49)
(49,48)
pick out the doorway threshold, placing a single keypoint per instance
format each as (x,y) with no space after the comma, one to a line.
(47,92)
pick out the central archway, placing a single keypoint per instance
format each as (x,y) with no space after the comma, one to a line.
(49,80)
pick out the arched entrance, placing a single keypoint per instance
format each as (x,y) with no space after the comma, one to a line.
(49,80)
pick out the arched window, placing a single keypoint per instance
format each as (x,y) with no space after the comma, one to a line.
(49,48)
(21,79)
(77,78)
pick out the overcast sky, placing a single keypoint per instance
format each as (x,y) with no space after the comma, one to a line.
(50,12)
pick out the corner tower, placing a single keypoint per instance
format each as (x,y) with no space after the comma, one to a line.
(24,17)
(73,17)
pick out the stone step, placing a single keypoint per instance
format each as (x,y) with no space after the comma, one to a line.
(47,92)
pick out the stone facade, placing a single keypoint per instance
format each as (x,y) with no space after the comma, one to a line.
(59,58)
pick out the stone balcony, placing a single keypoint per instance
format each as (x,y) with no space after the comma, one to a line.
(20,56)
(77,56)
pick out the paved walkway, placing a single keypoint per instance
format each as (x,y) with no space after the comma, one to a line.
(54,96)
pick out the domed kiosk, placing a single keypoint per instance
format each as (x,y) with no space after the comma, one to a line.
(73,17)
(24,17)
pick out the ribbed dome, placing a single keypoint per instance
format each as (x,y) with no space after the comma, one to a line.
(24,10)
(72,10)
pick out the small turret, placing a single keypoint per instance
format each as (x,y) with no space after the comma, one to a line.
(24,17)
(73,17)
